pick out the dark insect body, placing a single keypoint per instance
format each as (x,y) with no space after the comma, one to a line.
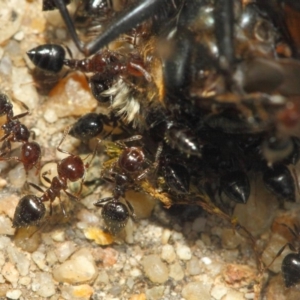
(127,170)
(31,209)
(16,132)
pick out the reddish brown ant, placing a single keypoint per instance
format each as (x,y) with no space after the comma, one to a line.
(125,172)
(15,131)
(31,209)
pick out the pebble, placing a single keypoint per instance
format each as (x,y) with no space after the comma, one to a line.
(230,238)
(28,239)
(17,176)
(183,252)
(10,273)
(79,292)
(218,291)
(13,294)
(193,290)
(6,226)
(165,236)
(20,259)
(66,98)
(50,115)
(257,216)
(25,280)
(58,236)
(234,295)
(168,253)
(193,266)
(155,269)
(156,293)
(64,250)
(23,89)
(51,170)
(39,259)
(11,16)
(79,268)
(176,271)
(43,284)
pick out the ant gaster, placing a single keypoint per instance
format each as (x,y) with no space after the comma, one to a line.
(125,172)
(15,131)
(31,209)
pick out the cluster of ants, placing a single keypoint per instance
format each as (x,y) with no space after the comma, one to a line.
(209,89)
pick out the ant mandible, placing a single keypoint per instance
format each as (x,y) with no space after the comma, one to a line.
(15,131)
(125,172)
(31,209)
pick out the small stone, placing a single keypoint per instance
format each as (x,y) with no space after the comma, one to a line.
(23,89)
(240,275)
(165,236)
(230,238)
(50,115)
(193,290)
(10,273)
(4,288)
(66,98)
(79,268)
(256,215)
(218,291)
(19,36)
(51,258)
(58,236)
(155,293)
(6,226)
(39,259)
(51,170)
(25,280)
(183,252)
(102,278)
(234,295)
(14,294)
(43,284)
(155,269)
(138,297)
(193,266)
(79,292)
(176,272)
(17,176)
(168,253)
(19,259)
(64,250)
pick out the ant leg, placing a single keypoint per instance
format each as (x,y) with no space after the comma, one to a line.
(279,253)
(71,195)
(155,164)
(101,202)
(61,207)
(36,187)
(64,137)
(132,214)
(46,178)
(69,24)
(121,143)
(125,20)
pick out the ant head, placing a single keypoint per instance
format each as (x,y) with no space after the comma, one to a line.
(71,168)
(131,159)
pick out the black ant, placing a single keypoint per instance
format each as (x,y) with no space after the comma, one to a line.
(15,131)
(31,209)
(125,172)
